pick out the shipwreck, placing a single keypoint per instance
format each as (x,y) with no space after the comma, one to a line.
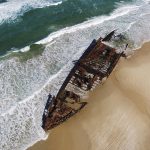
(96,63)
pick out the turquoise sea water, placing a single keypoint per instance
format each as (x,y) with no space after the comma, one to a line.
(39,39)
(37,23)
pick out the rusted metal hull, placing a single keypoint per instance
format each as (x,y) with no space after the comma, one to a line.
(96,63)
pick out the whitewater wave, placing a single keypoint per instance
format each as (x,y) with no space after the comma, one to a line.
(11,9)
(24,86)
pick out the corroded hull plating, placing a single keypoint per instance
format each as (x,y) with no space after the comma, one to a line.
(96,63)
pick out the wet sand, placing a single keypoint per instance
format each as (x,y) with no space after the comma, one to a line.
(117,116)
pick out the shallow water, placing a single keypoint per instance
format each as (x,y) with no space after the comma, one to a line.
(27,77)
(31,25)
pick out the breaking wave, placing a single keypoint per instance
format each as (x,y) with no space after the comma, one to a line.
(11,9)
(36,24)
(25,85)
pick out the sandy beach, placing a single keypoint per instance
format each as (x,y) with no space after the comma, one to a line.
(117,116)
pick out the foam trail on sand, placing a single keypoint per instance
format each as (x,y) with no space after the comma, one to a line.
(24,86)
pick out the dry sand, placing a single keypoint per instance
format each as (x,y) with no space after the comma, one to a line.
(117,116)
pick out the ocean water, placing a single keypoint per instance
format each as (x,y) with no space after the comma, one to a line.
(39,40)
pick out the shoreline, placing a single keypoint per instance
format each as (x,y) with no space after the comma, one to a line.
(116,118)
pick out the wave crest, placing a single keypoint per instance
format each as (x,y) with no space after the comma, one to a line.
(24,86)
(11,9)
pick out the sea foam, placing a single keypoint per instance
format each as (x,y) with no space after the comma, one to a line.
(11,9)
(24,86)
